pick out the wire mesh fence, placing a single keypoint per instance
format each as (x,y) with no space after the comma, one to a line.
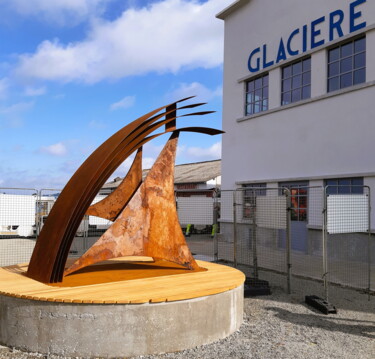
(349,252)
(17,224)
(270,233)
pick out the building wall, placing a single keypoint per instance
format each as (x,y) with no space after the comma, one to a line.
(329,135)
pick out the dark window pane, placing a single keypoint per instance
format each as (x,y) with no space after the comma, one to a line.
(287,72)
(297,68)
(265,92)
(296,81)
(287,85)
(357,190)
(307,64)
(257,107)
(250,86)
(296,95)
(360,60)
(306,78)
(258,83)
(333,84)
(346,65)
(359,76)
(360,45)
(344,186)
(333,69)
(306,92)
(334,54)
(346,80)
(357,181)
(286,98)
(258,94)
(265,80)
(265,105)
(347,50)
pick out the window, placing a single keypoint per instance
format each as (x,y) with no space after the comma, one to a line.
(257,95)
(298,199)
(347,64)
(249,197)
(345,185)
(296,81)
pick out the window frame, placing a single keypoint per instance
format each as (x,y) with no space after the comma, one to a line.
(355,54)
(299,201)
(250,192)
(292,77)
(344,188)
(263,102)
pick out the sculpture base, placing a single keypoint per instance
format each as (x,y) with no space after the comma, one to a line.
(139,316)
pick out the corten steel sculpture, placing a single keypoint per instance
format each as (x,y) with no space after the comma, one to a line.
(144,212)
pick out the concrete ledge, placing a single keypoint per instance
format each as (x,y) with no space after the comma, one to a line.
(118,330)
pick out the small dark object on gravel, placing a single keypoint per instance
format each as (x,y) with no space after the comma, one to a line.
(320,304)
(254,287)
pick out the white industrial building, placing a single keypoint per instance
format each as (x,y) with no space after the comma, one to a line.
(298,94)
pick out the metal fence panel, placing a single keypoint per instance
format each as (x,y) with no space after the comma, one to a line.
(197,213)
(348,237)
(17,224)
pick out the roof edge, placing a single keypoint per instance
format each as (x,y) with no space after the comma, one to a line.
(231,8)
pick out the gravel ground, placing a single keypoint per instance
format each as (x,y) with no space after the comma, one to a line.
(282,326)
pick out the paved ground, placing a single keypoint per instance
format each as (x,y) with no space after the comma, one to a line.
(282,326)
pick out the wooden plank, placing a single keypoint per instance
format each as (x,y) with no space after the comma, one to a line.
(216,279)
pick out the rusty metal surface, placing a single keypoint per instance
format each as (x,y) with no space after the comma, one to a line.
(51,250)
(111,206)
(149,224)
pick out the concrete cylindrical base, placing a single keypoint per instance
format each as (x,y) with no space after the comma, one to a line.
(118,330)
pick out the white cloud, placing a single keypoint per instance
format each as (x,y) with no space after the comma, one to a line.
(16,108)
(212,152)
(126,102)
(166,36)
(58,12)
(195,89)
(35,91)
(57,149)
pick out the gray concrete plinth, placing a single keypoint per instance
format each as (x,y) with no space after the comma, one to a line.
(118,330)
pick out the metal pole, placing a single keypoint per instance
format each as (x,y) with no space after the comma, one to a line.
(369,242)
(234,230)
(254,238)
(325,261)
(216,216)
(288,241)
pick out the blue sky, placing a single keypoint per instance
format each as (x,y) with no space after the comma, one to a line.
(72,72)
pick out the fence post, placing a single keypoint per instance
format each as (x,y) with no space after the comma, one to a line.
(324,243)
(369,242)
(234,229)
(216,224)
(254,238)
(286,192)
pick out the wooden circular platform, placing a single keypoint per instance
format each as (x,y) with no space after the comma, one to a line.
(120,309)
(124,281)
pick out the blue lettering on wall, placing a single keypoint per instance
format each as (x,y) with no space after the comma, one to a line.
(301,36)
(304,42)
(288,45)
(281,54)
(355,15)
(315,32)
(335,24)
(265,63)
(257,67)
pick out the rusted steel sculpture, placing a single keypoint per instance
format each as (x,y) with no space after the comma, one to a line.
(145,215)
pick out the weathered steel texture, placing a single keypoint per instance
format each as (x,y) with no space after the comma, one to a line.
(111,206)
(148,226)
(51,250)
